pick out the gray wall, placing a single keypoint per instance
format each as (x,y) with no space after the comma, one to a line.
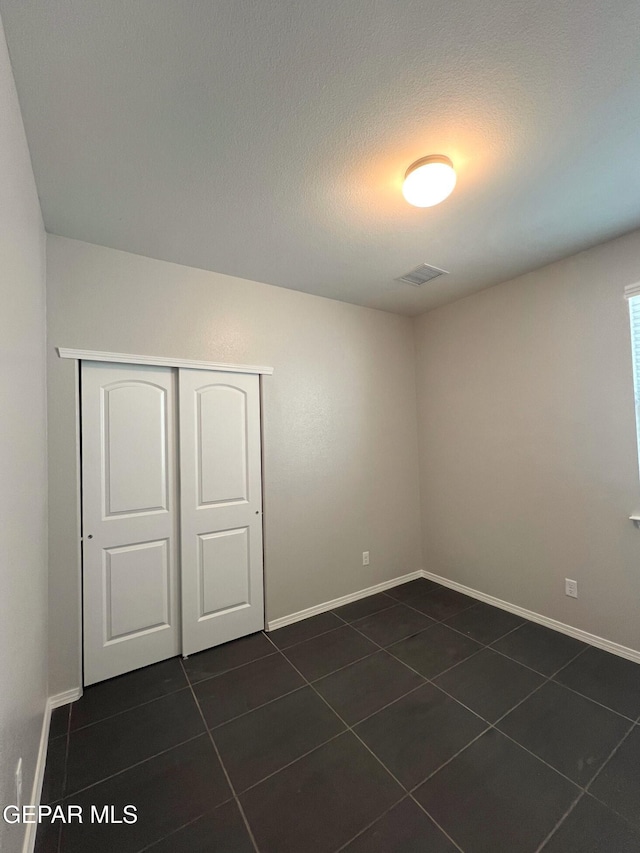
(528,452)
(340,427)
(23,531)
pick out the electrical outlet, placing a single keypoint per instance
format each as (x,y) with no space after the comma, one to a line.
(18,802)
(570,588)
(365,558)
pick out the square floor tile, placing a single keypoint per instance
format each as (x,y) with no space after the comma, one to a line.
(364,607)
(329,652)
(571,733)
(222,829)
(495,796)
(593,828)
(54,771)
(127,691)
(321,801)
(118,742)
(59,724)
(258,744)
(247,687)
(227,656)
(484,623)
(489,683)
(168,791)
(416,734)
(395,623)
(404,829)
(298,632)
(441,603)
(366,686)
(618,785)
(606,678)
(434,650)
(412,589)
(540,648)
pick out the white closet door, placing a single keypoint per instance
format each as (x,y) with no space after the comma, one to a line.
(221,508)
(130,590)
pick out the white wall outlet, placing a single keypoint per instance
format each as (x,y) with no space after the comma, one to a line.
(365,558)
(570,588)
(18,802)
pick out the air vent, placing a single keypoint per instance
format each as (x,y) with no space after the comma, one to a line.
(421,275)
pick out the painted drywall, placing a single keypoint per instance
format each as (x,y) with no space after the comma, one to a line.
(528,460)
(269,139)
(23,520)
(339,418)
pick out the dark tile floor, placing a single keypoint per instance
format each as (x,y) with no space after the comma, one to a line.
(413,721)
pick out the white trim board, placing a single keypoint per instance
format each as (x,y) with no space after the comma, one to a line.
(160,361)
(632,290)
(65,698)
(561,627)
(338,602)
(38,777)
(530,615)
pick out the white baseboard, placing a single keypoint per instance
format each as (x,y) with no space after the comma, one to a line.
(338,602)
(36,792)
(585,636)
(65,698)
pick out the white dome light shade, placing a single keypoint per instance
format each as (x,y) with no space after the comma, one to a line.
(429,181)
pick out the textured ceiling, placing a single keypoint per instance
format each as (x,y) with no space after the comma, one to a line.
(268,139)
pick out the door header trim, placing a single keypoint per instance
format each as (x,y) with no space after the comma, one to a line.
(159,361)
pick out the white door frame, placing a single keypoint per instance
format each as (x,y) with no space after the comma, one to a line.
(79,355)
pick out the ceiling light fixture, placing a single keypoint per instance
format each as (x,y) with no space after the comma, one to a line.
(429,181)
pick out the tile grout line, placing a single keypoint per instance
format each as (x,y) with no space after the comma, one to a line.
(490,647)
(434,821)
(347,726)
(410,793)
(131,766)
(595,701)
(583,789)
(586,792)
(392,603)
(224,769)
(180,828)
(223,671)
(419,784)
(132,708)
(546,679)
(328,740)
(493,725)
(385,813)
(382,764)
(314,637)
(607,760)
(256,708)
(442,621)
(550,835)
(293,761)
(369,825)
(307,683)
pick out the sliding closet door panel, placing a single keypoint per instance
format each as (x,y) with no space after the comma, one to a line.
(130,581)
(221,507)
